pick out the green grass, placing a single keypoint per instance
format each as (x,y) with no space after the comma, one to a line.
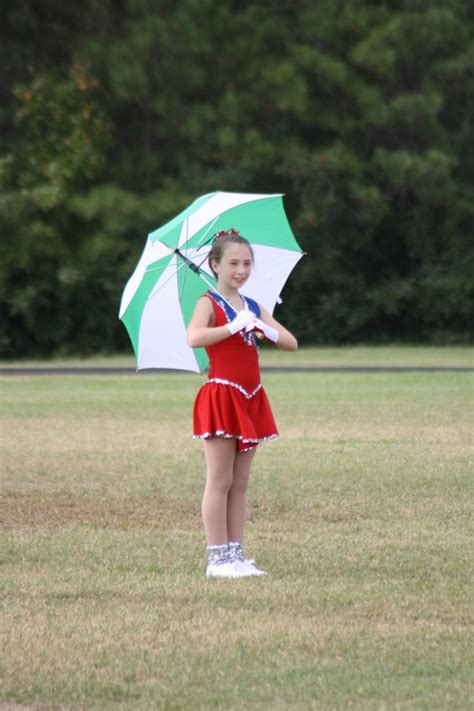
(360,513)
(431,356)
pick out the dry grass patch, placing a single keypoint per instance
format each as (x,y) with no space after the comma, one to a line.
(23,509)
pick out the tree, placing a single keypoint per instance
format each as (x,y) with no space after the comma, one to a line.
(382,204)
(119,114)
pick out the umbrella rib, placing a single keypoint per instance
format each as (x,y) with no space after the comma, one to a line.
(192,251)
(161,286)
(155,269)
(200,251)
(183,285)
(199,244)
(185,273)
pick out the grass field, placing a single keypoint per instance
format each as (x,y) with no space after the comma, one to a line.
(377,356)
(360,512)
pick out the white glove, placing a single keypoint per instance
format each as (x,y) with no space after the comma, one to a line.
(270,333)
(243,319)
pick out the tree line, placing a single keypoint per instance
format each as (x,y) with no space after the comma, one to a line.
(116,114)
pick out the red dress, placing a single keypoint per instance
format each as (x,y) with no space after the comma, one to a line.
(232,403)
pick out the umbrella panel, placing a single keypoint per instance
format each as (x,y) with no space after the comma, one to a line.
(190,288)
(133,314)
(179,283)
(262,222)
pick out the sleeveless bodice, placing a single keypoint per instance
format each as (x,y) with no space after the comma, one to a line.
(235,359)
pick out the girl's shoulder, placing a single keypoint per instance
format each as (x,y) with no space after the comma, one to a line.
(204,304)
(207,303)
(204,313)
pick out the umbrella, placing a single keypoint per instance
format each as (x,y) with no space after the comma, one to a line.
(159,298)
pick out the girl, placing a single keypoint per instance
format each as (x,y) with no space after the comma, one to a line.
(231,412)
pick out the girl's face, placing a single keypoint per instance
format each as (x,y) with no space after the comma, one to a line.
(235,266)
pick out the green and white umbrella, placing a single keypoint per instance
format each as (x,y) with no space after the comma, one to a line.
(159,298)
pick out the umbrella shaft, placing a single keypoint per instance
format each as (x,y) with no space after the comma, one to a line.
(187,261)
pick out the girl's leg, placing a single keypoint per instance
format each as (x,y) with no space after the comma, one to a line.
(220,455)
(237,497)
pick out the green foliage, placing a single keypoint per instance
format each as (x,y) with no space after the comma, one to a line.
(382,208)
(117,116)
(43,259)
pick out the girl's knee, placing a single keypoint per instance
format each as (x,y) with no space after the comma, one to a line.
(219,480)
(240,482)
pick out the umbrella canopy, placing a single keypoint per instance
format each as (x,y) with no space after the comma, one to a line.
(159,298)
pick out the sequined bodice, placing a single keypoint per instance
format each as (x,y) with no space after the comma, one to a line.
(235,359)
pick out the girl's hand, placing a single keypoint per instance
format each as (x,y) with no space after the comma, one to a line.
(284,339)
(243,319)
(270,333)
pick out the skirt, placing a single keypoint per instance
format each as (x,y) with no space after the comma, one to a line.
(223,409)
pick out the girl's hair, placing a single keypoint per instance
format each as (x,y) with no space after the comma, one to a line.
(221,240)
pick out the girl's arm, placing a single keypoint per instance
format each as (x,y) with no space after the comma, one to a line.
(286,340)
(201,331)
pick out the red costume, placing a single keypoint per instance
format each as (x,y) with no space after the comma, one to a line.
(232,403)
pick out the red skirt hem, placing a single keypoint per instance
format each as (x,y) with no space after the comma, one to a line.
(223,410)
(243,445)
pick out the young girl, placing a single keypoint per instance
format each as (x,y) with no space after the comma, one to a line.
(231,412)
